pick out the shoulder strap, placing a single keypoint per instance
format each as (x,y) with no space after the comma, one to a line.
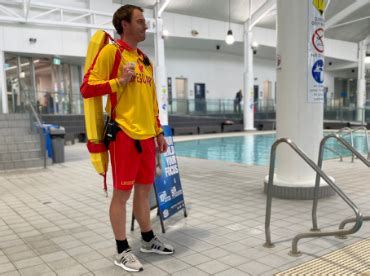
(113,97)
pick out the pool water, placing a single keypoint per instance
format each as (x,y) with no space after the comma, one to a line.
(251,149)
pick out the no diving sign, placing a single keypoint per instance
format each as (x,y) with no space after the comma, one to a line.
(317,40)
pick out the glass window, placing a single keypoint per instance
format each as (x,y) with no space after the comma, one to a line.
(26,82)
(44,85)
(12,81)
(76,102)
(54,88)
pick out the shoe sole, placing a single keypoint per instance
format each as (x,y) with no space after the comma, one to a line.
(156,251)
(127,268)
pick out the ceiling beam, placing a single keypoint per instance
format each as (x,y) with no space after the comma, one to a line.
(345,13)
(9,12)
(162,7)
(79,17)
(263,11)
(350,22)
(26,8)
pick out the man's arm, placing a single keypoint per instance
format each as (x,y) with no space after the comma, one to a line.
(98,80)
(162,144)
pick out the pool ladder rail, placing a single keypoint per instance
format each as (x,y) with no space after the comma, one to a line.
(349,131)
(319,174)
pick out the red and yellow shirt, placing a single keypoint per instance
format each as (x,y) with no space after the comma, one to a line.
(136,110)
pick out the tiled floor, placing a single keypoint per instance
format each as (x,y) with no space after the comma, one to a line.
(55,221)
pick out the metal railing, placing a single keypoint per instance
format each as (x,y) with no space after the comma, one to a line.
(350,131)
(366,133)
(347,131)
(49,102)
(264,109)
(317,184)
(320,174)
(35,121)
(335,152)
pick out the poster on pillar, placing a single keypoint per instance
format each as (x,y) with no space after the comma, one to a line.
(315,73)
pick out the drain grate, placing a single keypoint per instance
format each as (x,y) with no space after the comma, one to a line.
(350,260)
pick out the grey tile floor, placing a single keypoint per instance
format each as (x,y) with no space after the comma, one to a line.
(55,221)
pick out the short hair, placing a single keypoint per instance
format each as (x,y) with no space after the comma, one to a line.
(123,13)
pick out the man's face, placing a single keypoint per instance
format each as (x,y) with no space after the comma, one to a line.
(137,27)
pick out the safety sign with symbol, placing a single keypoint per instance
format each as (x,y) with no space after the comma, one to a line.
(320,5)
(318,40)
(318,71)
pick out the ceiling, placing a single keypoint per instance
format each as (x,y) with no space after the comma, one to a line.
(239,11)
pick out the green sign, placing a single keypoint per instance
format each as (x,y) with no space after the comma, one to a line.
(56,61)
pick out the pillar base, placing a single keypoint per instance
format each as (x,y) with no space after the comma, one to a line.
(298,191)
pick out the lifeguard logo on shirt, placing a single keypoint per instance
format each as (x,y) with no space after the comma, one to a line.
(142,78)
(141,68)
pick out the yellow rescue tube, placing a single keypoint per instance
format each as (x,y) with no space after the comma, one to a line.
(94,116)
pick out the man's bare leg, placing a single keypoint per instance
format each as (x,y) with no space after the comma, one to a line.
(117,213)
(141,206)
(150,242)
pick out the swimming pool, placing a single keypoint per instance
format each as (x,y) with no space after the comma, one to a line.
(249,149)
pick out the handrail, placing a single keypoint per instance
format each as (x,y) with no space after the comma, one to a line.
(344,222)
(335,152)
(35,115)
(317,183)
(366,138)
(343,129)
(319,172)
(39,127)
(349,132)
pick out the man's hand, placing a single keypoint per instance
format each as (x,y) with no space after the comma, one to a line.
(128,72)
(162,144)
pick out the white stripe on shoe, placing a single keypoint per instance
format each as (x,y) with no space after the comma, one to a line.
(127,268)
(156,251)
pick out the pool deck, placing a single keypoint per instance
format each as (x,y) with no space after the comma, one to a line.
(55,221)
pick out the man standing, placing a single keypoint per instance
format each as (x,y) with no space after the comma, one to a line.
(125,74)
(237,101)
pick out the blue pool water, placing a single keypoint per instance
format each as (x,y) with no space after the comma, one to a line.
(251,149)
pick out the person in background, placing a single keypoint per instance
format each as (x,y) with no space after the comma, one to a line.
(237,101)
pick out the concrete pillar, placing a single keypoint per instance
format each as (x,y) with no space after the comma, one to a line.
(299,111)
(361,81)
(248,78)
(3,92)
(160,70)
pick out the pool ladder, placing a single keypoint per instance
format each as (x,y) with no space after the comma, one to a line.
(315,232)
(349,131)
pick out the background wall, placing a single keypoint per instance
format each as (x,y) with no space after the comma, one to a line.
(330,76)
(222,73)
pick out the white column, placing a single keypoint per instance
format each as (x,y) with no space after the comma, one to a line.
(160,70)
(3,92)
(299,111)
(248,79)
(361,81)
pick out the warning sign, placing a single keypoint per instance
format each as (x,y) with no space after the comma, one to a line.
(318,71)
(316,47)
(318,40)
(320,5)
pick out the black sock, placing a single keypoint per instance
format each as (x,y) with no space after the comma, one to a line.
(147,236)
(122,246)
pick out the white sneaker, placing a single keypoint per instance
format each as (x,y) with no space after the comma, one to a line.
(156,246)
(128,261)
